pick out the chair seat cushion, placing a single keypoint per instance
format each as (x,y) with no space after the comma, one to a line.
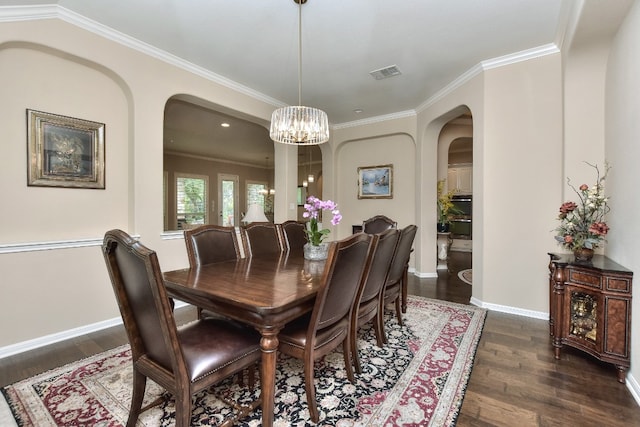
(367,310)
(294,334)
(391,292)
(211,344)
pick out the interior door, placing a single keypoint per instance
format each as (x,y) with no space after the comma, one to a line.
(228,186)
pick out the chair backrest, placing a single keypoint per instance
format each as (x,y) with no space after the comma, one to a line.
(403,252)
(348,260)
(380,264)
(261,238)
(211,243)
(294,235)
(144,305)
(378,224)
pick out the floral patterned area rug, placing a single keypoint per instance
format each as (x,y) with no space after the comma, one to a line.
(418,379)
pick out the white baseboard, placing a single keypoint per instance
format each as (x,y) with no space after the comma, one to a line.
(28,345)
(634,388)
(510,310)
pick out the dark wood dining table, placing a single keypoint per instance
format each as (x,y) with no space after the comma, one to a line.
(265,292)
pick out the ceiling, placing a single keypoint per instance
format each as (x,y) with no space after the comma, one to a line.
(253,46)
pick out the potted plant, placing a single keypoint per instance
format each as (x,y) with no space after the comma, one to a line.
(315,248)
(582,228)
(446,208)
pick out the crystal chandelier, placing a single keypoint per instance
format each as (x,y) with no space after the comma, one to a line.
(297,124)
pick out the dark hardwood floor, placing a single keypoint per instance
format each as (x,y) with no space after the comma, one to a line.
(515,379)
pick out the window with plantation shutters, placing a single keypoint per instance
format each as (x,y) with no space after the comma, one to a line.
(191,200)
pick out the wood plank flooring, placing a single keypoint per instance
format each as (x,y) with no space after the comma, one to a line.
(515,379)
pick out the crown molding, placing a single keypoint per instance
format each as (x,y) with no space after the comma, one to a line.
(28,13)
(23,13)
(31,13)
(376,119)
(537,52)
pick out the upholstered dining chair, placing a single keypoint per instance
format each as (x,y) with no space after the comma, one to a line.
(211,243)
(317,333)
(183,360)
(397,273)
(371,292)
(207,244)
(294,235)
(377,224)
(261,238)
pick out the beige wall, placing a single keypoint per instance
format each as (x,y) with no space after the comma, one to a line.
(58,68)
(622,136)
(517,112)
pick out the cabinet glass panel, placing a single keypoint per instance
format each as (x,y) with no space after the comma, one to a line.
(583,322)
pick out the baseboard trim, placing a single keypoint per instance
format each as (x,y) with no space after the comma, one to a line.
(510,310)
(46,340)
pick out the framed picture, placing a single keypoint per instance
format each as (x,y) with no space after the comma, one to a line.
(64,151)
(375,182)
(302,195)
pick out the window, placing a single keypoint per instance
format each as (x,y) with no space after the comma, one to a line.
(191,200)
(255,193)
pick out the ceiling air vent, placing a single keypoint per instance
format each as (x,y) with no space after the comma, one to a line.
(383,73)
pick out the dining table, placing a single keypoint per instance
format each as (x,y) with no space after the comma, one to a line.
(264,292)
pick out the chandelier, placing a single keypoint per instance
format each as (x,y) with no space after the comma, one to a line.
(297,124)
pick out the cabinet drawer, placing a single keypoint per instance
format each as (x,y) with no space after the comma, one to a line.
(586,278)
(618,284)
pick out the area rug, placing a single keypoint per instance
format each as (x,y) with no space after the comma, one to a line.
(418,379)
(466,276)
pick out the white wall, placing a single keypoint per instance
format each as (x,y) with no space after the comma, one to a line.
(622,135)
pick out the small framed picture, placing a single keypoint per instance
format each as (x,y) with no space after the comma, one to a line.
(64,151)
(375,182)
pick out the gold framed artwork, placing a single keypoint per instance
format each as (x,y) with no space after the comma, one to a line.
(64,151)
(375,182)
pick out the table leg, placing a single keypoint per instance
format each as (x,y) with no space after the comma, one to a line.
(269,347)
(404,288)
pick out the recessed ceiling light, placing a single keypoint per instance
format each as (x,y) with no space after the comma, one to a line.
(225,125)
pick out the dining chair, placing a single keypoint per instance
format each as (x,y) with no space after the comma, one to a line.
(261,238)
(211,243)
(371,291)
(398,274)
(207,244)
(183,360)
(378,224)
(294,235)
(328,325)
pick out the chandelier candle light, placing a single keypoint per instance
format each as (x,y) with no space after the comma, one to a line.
(582,228)
(297,124)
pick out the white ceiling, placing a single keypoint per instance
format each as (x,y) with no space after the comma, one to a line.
(253,45)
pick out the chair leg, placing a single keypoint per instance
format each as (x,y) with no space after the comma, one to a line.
(183,409)
(383,333)
(399,311)
(377,327)
(347,359)
(354,352)
(310,390)
(137,396)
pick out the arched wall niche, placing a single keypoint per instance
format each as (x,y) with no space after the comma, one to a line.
(195,142)
(351,154)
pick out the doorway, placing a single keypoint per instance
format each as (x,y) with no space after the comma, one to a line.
(228,213)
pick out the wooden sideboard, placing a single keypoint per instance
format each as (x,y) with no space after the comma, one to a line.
(590,308)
